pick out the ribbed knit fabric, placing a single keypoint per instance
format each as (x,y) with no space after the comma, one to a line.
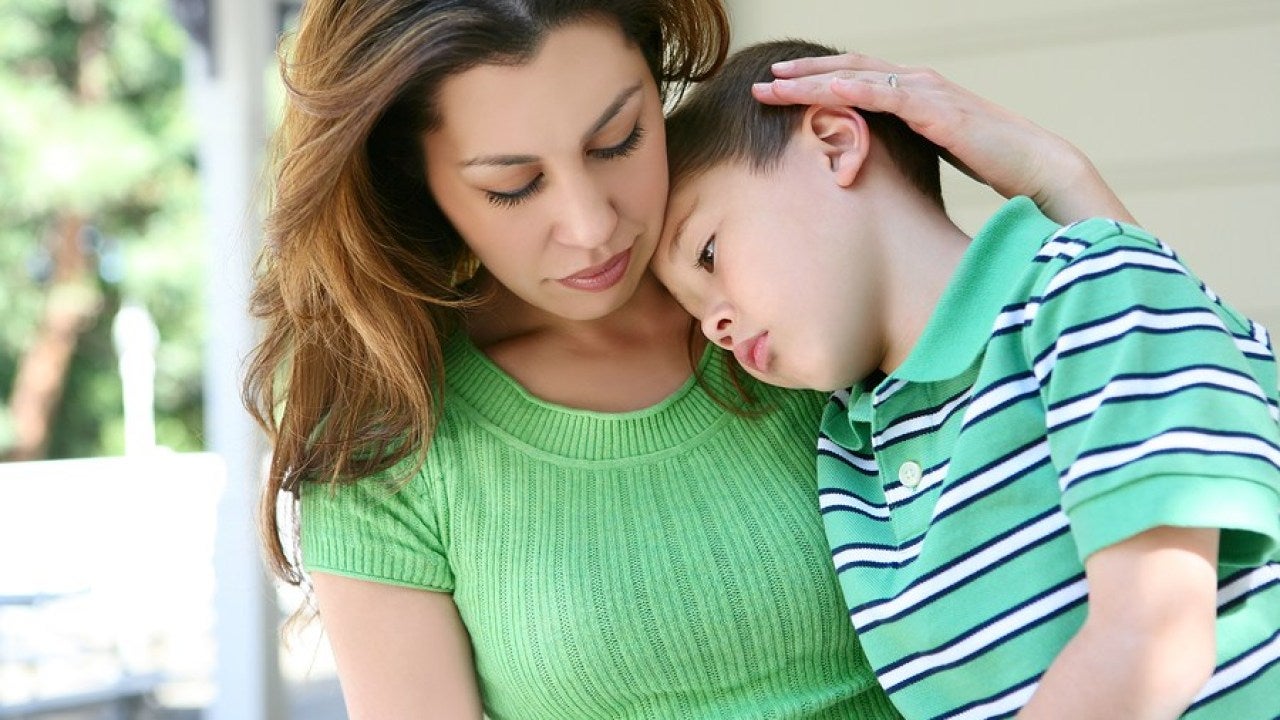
(665,563)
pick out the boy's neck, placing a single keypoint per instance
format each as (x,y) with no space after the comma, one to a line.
(921,249)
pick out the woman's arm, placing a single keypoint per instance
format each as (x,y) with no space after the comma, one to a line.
(402,654)
(1147,646)
(984,140)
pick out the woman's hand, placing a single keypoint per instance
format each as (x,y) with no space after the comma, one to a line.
(985,141)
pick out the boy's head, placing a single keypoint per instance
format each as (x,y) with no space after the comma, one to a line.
(774,220)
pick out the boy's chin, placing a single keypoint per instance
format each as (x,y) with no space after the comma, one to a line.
(819,384)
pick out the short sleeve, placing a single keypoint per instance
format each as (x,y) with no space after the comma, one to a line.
(375,529)
(1155,403)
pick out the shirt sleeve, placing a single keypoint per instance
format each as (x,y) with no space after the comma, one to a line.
(376,528)
(1160,400)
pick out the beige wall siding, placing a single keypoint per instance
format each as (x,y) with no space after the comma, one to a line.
(1177,101)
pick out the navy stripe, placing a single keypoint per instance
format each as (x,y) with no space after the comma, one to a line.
(977,628)
(1243,681)
(1089,277)
(1175,451)
(1116,316)
(990,698)
(964,581)
(1155,396)
(823,452)
(995,488)
(974,420)
(920,414)
(846,508)
(868,563)
(1151,376)
(1228,607)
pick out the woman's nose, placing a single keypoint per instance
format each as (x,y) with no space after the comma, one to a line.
(586,216)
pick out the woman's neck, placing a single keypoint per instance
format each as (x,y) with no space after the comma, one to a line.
(627,360)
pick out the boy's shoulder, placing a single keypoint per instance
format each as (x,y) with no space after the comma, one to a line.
(1093,236)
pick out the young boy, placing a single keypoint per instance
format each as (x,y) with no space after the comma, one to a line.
(1053,480)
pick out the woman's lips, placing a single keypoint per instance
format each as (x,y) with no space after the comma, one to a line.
(753,354)
(600,277)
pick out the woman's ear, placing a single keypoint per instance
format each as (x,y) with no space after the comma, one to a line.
(841,134)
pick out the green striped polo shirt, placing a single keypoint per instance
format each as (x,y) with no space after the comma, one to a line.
(1074,387)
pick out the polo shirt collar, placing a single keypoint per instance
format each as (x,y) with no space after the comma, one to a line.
(962,321)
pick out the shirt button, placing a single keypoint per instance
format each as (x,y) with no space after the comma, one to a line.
(909,473)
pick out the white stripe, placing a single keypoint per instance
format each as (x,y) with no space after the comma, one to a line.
(879,555)
(1117,327)
(841,396)
(1249,346)
(1242,586)
(990,557)
(838,501)
(1013,317)
(957,494)
(1003,705)
(1166,249)
(865,465)
(1179,440)
(1240,669)
(1143,387)
(1094,265)
(999,395)
(986,636)
(1068,248)
(899,493)
(888,391)
(1260,333)
(919,423)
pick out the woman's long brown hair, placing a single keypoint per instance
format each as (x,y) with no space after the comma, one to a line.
(355,287)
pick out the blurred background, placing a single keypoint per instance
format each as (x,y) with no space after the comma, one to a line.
(131,143)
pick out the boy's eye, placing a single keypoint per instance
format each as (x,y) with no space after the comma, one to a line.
(707,256)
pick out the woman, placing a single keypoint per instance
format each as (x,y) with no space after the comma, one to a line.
(516,493)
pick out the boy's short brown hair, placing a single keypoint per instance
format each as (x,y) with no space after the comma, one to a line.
(721,122)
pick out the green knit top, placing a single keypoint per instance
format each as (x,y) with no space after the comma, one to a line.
(663,563)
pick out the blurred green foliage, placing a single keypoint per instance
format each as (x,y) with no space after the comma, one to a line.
(93,123)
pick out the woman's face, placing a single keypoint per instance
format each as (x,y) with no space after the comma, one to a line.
(555,171)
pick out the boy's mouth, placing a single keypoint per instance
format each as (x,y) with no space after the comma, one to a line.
(753,354)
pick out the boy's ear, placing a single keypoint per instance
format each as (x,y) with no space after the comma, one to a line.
(842,136)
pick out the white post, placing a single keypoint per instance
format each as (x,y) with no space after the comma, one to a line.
(228,97)
(135,337)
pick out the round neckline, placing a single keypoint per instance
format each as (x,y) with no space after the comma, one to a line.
(474,384)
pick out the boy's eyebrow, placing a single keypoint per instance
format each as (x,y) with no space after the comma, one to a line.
(678,235)
(605,117)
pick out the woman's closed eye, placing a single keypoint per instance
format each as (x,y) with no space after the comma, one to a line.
(612,152)
(707,256)
(622,149)
(515,197)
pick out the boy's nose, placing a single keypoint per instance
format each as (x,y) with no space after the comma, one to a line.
(717,326)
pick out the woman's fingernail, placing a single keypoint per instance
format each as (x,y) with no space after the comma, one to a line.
(785,84)
(782,65)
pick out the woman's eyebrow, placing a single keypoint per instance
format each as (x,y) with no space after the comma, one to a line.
(612,111)
(609,114)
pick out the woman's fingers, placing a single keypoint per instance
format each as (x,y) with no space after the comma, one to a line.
(832,63)
(868,90)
